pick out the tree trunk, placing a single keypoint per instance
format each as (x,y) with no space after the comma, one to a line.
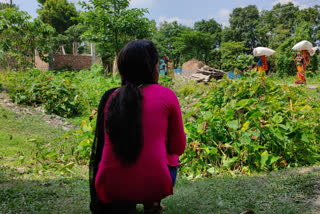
(105,63)
(114,67)
(75,46)
(93,53)
(63,52)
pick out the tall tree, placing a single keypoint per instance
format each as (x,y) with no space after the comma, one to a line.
(20,37)
(166,36)
(232,55)
(282,14)
(58,13)
(194,44)
(211,27)
(311,15)
(41,1)
(243,23)
(6,5)
(111,24)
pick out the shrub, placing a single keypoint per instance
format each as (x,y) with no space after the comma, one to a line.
(66,94)
(55,92)
(251,125)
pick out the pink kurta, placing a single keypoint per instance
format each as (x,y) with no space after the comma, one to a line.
(148,180)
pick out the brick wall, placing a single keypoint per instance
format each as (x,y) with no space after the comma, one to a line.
(60,61)
(76,62)
(43,66)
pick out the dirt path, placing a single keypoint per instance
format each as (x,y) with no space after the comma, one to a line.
(307,86)
(52,120)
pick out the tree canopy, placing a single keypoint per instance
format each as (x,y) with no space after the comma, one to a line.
(58,13)
(111,24)
(7,5)
(230,47)
(19,38)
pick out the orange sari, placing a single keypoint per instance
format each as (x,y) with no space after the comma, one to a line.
(264,63)
(300,75)
(306,59)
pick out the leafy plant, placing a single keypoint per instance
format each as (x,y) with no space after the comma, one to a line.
(251,125)
(111,24)
(20,38)
(63,93)
(55,93)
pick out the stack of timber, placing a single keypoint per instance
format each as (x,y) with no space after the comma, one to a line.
(206,73)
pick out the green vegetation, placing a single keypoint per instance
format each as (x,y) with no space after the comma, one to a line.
(119,26)
(251,125)
(240,133)
(289,191)
(28,187)
(229,48)
(63,93)
(28,145)
(243,126)
(20,37)
(32,176)
(112,23)
(312,79)
(58,14)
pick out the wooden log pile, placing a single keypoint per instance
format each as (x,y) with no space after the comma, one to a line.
(206,73)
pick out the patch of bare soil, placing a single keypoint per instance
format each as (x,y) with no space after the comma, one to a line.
(307,86)
(52,120)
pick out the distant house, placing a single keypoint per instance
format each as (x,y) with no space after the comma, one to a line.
(68,61)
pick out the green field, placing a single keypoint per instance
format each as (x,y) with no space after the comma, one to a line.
(253,143)
(29,186)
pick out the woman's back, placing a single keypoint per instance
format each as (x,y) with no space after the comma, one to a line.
(148,179)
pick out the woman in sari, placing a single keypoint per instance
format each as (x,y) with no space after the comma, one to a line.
(300,60)
(262,64)
(171,69)
(162,68)
(306,57)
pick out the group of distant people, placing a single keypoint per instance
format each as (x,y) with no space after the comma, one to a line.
(302,60)
(166,67)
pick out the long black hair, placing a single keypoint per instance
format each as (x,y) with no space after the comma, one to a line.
(137,63)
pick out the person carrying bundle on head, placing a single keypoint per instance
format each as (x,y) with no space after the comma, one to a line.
(263,52)
(303,60)
(300,60)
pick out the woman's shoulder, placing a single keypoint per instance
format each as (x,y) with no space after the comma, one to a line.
(162,89)
(166,93)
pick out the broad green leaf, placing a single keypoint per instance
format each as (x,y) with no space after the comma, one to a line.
(233,124)
(264,158)
(277,119)
(304,138)
(272,159)
(212,170)
(229,161)
(255,115)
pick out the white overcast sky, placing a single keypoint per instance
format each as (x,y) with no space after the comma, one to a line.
(185,11)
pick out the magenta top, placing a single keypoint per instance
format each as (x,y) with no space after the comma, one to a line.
(148,180)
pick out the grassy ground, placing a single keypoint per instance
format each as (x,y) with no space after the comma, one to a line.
(28,186)
(312,79)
